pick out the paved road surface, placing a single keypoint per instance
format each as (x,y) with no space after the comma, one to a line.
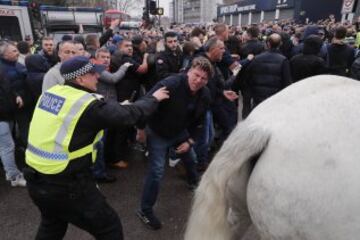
(20,218)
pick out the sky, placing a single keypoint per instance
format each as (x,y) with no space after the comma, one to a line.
(165,5)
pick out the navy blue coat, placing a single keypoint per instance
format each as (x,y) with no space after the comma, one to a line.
(182,111)
(13,85)
(36,66)
(7,98)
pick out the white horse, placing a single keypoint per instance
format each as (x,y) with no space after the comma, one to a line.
(292,169)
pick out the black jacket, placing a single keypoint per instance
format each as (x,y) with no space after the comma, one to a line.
(306,65)
(287,45)
(100,115)
(251,47)
(51,60)
(13,84)
(129,86)
(355,69)
(182,111)
(7,98)
(267,74)
(167,63)
(340,59)
(36,66)
(106,36)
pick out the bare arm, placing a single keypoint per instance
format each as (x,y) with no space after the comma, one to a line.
(143,68)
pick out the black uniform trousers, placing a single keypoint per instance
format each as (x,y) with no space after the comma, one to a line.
(77,201)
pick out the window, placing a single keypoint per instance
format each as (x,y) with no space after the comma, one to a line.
(10,28)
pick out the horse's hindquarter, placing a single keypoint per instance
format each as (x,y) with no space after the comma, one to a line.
(306,184)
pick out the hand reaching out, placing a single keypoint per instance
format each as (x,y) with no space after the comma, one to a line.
(230,95)
(161,94)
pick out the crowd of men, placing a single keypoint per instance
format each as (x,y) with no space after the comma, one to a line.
(204,69)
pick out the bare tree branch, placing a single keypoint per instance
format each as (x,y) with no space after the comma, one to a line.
(129,5)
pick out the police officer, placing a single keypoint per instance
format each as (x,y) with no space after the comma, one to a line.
(169,61)
(66,125)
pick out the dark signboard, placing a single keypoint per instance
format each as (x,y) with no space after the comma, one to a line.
(254,6)
(241,6)
(319,9)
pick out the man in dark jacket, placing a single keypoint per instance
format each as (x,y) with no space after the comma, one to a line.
(169,61)
(252,44)
(340,55)
(129,86)
(268,73)
(127,89)
(16,73)
(223,107)
(48,51)
(176,123)
(36,66)
(309,31)
(60,181)
(308,63)
(10,102)
(222,110)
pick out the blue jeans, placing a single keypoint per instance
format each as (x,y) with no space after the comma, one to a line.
(158,148)
(7,151)
(99,168)
(203,142)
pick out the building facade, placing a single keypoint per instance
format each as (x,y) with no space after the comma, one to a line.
(246,12)
(178,11)
(208,10)
(171,11)
(193,11)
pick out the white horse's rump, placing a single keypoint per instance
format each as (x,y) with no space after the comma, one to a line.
(206,213)
(293,166)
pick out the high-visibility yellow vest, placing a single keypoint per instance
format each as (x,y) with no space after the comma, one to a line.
(357,41)
(56,115)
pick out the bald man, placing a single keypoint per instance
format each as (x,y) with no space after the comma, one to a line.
(268,73)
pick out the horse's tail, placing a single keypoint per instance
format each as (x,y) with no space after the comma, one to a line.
(208,219)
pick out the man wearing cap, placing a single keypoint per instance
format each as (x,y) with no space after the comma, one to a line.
(66,126)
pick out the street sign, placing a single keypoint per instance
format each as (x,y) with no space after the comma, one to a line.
(348,6)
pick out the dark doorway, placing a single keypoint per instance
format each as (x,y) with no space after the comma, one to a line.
(10,28)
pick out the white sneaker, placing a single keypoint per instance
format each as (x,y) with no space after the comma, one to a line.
(173,162)
(19,181)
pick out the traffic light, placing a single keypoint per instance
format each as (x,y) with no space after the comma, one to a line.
(35,10)
(152,7)
(160,11)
